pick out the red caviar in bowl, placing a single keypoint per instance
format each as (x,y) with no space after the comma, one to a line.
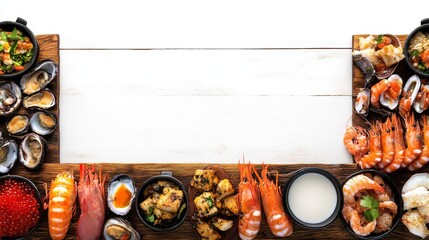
(19,208)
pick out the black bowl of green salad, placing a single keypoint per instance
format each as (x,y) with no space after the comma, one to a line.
(18,49)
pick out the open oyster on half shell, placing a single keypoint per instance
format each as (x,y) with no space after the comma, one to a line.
(43,123)
(38,78)
(42,100)
(120,194)
(8,156)
(18,125)
(119,228)
(10,98)
(32,151)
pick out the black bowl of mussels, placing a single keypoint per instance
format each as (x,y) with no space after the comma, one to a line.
(18,49)
(162,202)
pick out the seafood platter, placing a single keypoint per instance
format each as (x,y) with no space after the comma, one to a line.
(384,194)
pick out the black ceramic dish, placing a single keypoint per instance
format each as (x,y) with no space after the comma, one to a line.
(398,200)
(331,178)
(167,176)
(424,27)
(37,196)
(21,25)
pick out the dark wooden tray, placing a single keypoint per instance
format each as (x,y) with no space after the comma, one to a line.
(184,172)
(49,49)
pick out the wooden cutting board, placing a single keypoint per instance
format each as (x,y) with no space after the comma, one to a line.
(49,49)
(184,172)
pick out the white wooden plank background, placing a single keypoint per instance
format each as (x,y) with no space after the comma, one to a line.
(200,81)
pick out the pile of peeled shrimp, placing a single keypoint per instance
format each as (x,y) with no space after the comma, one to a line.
(391,144)
(415,194)
(365,188)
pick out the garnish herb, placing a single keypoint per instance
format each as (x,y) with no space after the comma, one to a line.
(370,202)
(379,39)
(209,201)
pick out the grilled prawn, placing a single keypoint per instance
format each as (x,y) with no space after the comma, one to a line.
(62,196)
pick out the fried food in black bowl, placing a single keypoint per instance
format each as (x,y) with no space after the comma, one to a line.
(162,202)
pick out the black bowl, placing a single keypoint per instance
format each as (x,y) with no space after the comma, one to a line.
(167,176)
(398,200)
(37,196)
(424,27)
(20,24)
(331,178)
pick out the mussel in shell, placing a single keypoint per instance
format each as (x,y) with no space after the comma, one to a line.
(362,102)
(8,156)
(390,97)
(18,125)
(43,123)
(42,100)
(421,103)
(119,229)
(32,151)
(409,94)
(10,98)
(121,192)
(38,78)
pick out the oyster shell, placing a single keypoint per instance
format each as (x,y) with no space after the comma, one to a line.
(8,156)
(43,123)
(18,125)
(32,151)
(10,98)
(42,100)
(365,66)
(390,97)
(362,102)
(120,194)
(38,78)
(380,53)
(119,228)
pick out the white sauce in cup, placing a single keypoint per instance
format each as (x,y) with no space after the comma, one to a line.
(312,198)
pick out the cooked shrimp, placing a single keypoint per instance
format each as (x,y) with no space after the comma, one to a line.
(355,223)
(414,140)
(356,142)
(399,154)
(279,222)
(358,183)
(387,195)
(375,149)
(389,206)
(250,204)
(347,212)
(376,90)
(424,156)
(92,202)
(387,144)
(62,197)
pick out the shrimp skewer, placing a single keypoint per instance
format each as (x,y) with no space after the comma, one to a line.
(248,198)
(375,149)
(413,138)
(92,202)
(399,144)
(387,144)
(62,197)
(424,156)
(279,223)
